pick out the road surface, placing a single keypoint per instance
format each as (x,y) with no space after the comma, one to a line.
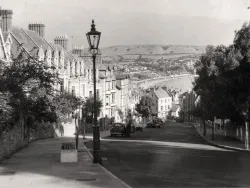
(173,156)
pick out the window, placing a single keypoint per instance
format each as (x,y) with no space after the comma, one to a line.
(90,93)
(107,100)
(73,90)
(76,68)
(166,107)
(83,89)
(107,86)
(161,107)
(62,86)
(113,97)
(97,93)
(112,112)
(113,84)
(165,100)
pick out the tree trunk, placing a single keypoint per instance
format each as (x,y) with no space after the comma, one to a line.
(200,123)
(213,125)
(76,133)
(21,121)
(28,133)
(204,127)
(241,133)
(84,130)
(247,135)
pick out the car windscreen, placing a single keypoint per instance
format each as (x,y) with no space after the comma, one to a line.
(118,125)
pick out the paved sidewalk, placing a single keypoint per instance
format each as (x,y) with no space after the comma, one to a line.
(39,165)
(220,139)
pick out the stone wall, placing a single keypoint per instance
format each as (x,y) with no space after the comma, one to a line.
(13,140)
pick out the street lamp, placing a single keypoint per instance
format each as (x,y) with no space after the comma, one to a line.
(93,38)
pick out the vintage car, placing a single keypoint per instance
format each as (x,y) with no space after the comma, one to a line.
(118,129)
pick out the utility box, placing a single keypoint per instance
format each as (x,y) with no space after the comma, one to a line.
(68,153)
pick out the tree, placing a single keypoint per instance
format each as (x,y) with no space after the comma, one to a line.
(145,107)
(223,77)
(129,120)
(181,115)
(88,110)
(120,113)
(64,104)
(28,85)
(169,116)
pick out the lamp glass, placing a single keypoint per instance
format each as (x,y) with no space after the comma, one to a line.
(93,37)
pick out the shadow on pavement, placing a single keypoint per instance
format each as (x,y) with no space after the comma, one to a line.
(39,165)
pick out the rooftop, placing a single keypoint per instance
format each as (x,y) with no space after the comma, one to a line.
(160,93)
(122,76)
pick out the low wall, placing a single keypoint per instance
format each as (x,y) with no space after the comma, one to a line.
(13,140)
(237,133)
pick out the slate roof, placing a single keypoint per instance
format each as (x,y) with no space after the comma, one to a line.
(118,84)
(88,62)
(121,76)
(22,38)
(59,48)
(37,39)
(106,66)
(101,75)
(160,93)
(175,108)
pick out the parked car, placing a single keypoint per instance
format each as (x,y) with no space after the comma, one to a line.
(158,123)
(150,125)
(139,127)
(180,120)
(118,129)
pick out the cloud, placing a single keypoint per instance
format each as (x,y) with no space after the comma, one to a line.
(194,22)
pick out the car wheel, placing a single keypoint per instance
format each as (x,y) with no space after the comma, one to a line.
(111,135)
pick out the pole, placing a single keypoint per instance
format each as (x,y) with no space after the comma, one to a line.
(76,132)
(96,132)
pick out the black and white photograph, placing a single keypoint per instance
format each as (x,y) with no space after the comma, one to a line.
(124,93)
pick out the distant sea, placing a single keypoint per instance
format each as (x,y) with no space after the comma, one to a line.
(183,84)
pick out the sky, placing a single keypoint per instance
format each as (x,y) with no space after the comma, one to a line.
(129,22)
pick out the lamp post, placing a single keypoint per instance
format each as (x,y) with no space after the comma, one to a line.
(93,38)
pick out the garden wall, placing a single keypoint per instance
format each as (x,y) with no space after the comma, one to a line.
(13,140)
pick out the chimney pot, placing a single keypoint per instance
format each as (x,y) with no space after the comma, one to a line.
(39,28)
(6,20)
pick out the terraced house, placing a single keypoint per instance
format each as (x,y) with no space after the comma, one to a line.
(162,101)
(75,68)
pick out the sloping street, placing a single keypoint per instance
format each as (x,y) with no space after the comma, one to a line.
(173,156)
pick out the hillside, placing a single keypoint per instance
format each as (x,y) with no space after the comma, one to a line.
(130,50)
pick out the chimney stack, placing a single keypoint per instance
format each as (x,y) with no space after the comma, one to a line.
(63,41)
(38,27)
(78,50)
(6,16)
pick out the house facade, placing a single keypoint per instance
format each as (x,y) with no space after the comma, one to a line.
(75,67)
(162,101)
